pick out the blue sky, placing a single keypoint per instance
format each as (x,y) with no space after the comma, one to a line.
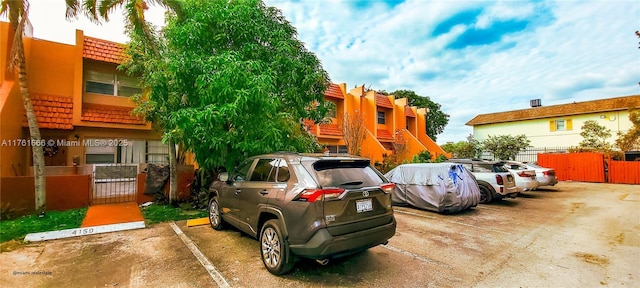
(472,57)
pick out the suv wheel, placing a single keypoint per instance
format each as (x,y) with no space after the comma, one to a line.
(274,249)
(215,218)
(485,194)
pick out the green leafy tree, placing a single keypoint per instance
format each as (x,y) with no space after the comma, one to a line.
(505,147)
(469,149)
(453,147)
(422,157)
(594,136)
(436,119)
(236,80)
(630,140)
(18,12)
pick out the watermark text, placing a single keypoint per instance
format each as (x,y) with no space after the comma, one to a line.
(33,273)
(64,143)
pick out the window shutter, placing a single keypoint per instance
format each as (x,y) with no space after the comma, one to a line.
(552,125)
(569,125)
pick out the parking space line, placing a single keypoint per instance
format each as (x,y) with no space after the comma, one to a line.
(450,221)
(416,256)
(487,208)
(413,214)
(204,261)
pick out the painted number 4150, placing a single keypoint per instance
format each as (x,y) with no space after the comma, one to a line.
(82,231)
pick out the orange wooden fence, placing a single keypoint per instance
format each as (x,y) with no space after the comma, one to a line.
(584,166)
(624,172)
(590,167)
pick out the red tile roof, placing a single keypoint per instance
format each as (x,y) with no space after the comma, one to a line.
(334,91)
(110,114)
(383,101)
(103,50)
(384,134)
(330,129)
(576,108)
(409,112)
(52,112)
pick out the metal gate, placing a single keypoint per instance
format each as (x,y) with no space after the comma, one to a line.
(114,183)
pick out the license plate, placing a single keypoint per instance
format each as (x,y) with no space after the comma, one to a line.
(364,205)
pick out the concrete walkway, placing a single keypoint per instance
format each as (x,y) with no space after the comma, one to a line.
(105,214)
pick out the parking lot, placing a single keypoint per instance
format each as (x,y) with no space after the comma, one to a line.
(572,235)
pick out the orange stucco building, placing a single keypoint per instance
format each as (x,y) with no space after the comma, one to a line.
(393,127)
(82,105)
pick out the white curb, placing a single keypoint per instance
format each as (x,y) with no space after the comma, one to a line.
(43,236)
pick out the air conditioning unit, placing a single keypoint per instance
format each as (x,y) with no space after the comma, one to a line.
(535,103)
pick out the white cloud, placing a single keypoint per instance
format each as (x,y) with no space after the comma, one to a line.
(559,51)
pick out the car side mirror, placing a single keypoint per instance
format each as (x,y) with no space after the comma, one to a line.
(224,177)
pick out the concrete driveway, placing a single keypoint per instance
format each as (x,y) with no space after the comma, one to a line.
(572,235)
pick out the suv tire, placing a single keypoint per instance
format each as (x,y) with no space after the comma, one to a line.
(274,249)
(215,218)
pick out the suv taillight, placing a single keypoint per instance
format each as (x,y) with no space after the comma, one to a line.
(499,180)
(311,195)
(387,187)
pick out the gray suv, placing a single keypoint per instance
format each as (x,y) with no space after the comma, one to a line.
(305,205)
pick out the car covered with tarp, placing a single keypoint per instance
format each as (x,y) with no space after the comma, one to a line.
(439,187)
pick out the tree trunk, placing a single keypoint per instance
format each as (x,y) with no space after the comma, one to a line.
(173,172)
(36,141)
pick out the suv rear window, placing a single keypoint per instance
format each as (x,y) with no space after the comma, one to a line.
(337,173)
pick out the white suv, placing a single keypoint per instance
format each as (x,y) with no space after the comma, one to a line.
(494,180)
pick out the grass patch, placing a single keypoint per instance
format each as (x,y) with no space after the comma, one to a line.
(53,220)
(156,213)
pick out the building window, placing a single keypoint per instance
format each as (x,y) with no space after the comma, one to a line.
(126,151)
(338,149)
(560,125)
(157,153)
(331,113)
(98,152)
(110,83)
(381,117)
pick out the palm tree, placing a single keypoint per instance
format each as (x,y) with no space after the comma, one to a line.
(97,11)
(17,11)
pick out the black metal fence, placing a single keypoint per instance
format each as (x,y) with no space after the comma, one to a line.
(114,183)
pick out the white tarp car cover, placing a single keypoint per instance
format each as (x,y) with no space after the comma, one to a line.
(440,187)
